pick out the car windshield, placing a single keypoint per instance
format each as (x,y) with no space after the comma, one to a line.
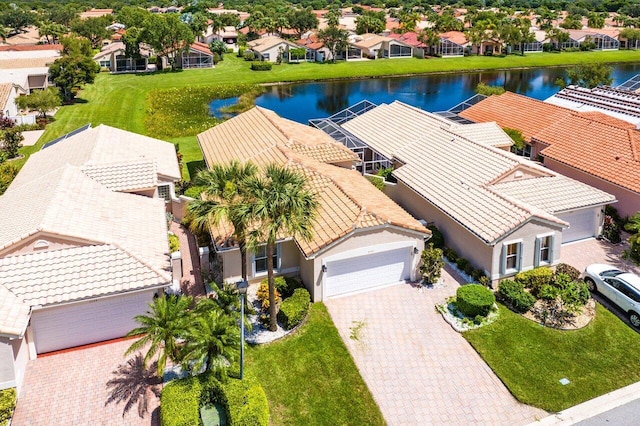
(611,273)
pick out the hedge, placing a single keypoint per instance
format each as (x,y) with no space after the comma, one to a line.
(244,401)
(285,285)
(513,294)
(474,299)
(535,279)
(7,404)
(294,309)
(437,239)
(572,272)
(261,66)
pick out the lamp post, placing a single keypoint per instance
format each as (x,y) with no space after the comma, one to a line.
(242,286)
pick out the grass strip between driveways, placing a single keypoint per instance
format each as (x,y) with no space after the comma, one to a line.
(310,378)
(531,359)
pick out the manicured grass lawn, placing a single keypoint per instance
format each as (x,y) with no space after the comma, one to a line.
(311,379)
(530,359)
(121,100)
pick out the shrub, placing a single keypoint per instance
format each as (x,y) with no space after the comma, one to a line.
(569,270)
(294,309)
(513,294)
(535,279)
(477,274)
(377,182)
(11,142)
(469,269)
(7,404)
(437,239)
(611,231)
(431,264)
(261,66)
(484,280)
(451,254)
(244,400)
(174,243)
(474,299)
(462,263)
(263,293)
(248,55)
(284,285)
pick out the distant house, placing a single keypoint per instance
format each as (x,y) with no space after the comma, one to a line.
(589,146)
(83,246)
(228,35)
(411,38)
(269,48)
(600,39)
(8,94)
(95,13)
(197,56)
(316,50)
(28,36)
(452,44)
(374,46)
(113,56)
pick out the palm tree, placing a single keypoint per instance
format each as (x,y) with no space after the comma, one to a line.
(161,328)
(224,196)
(282,204)
(212,341)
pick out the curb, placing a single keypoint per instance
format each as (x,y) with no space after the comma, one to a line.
(593,407)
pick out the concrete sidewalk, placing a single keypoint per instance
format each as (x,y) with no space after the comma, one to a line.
(593,407)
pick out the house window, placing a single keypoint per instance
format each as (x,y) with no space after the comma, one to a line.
(524,152)
(260,259)
(511,256)
(164,191)
(544,250)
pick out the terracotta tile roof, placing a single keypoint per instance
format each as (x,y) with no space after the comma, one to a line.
(102,150)
(410,38)
(610,152)
(77,273)
(14,314)
(30,48)
(347,200)
(592,142)
(67,204)
(461,176)
(457,37)
(201,47)
(516,112)
(311,42)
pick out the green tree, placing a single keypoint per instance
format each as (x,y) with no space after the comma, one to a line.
(132,16)
(93,29)
(164,323)
(485,89)
(16,19)
(595,20)
(282,205)
(71,73)
(8,172)
(51,31)
(371,22)
(516,136)
(430,38)
(633,226)
(219,47)
(298,53)
(11,142)
(409,21)
(40,100)
(212,341)
(557,37)
(572,22)
(632,36)
(167,35)
(62,14)
(335,39)
(225,199)
(302,20)
(431,264)
(590,75)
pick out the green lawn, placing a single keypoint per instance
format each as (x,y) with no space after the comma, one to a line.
(311,379)
(121,100)
(530,359)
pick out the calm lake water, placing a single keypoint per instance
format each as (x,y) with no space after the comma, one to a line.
(301,102)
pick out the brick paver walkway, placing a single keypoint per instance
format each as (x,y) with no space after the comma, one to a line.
(191,282)
(583,253)
(419,370)
(70,389)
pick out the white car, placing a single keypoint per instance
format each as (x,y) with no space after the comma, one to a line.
(621,288)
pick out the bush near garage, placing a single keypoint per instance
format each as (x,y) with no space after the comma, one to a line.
(7,405)
(437,239)
(474,299)
(563,268)
(535,279)
(513,294)
(244,400)
(294,309)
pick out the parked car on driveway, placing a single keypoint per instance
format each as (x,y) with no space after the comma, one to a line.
(621,288)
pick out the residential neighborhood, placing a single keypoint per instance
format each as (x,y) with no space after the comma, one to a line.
(312,213)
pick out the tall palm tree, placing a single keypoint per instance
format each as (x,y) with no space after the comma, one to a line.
(161,328)
(282,205)
(212,341)
(224,197)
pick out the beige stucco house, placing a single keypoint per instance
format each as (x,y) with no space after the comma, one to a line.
(375,46)
(361,239)
(270,47)
(83,243)
(113,56)
(503,213)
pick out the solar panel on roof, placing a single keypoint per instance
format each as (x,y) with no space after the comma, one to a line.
(68,135)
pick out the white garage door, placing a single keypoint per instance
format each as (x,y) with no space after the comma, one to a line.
(367,272)
(87,322)
(582,224)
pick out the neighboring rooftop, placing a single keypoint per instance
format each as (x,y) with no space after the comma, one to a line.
(265,43)
(617,103)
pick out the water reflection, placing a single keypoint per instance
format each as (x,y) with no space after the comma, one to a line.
(301,102)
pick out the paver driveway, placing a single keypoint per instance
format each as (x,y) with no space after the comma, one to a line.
(70,389)
(419,370)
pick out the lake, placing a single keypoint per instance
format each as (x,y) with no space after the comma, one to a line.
(303,101)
